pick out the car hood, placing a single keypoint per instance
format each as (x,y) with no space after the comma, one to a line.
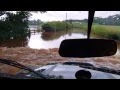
(69,71)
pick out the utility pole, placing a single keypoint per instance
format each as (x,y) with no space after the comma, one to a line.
(66,25)
(66,20)
(66,16)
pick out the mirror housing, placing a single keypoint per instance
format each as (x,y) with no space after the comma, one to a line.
(84,48)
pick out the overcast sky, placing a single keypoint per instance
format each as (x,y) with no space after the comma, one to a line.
(61,15)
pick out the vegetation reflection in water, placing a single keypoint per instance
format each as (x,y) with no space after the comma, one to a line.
(45,40)
(47,36)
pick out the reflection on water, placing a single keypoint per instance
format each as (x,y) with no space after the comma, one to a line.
(118,46)
(15,42)
(49,36)
(51,39)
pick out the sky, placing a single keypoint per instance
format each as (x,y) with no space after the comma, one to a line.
(61,15)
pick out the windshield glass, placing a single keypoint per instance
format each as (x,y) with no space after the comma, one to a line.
(33,38)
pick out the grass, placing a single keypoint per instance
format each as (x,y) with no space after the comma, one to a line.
(104,31)
(56,26)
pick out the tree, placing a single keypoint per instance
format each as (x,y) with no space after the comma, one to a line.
(15,24)
(110,20)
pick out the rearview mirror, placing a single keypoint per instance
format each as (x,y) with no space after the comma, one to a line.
(83,48)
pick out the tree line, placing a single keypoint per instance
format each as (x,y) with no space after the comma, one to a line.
(110,20)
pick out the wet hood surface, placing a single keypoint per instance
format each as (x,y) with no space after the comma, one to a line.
(69,71)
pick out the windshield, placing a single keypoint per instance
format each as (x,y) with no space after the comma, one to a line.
(32,38)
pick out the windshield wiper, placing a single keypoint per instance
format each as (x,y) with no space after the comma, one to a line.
(77,63)
(18,65)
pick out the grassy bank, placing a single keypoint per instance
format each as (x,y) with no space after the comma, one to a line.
(104,31)
(56,26)
(60,26)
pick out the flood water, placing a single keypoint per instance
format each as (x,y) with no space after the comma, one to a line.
(46,40)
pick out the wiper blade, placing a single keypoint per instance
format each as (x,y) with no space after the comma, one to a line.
(77,63)
(18,65)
